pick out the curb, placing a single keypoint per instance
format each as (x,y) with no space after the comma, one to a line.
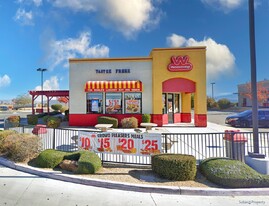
(136,187)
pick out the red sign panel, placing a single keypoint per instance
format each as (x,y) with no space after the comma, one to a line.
(180,64)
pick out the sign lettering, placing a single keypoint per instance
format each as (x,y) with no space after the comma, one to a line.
(121,143)
(180,64)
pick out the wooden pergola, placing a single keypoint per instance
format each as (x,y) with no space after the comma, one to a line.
(49,94)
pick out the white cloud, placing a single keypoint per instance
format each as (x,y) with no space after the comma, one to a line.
(219,59)
(76,5)
(4,81)
(128,17)
(50,84)
(224,5)
(23,17)
(61,50)
(35,2)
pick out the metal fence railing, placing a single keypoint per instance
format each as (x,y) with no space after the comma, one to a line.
(201,145)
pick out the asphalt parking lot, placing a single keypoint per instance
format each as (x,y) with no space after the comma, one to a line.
(217,117)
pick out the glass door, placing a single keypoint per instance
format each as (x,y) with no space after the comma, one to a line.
(170,105)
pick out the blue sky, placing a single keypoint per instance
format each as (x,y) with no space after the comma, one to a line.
(46,33)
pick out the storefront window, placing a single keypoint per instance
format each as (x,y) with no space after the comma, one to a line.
(94,102)
(113,103)
(133,103)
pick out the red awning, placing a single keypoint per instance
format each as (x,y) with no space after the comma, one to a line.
(113,86)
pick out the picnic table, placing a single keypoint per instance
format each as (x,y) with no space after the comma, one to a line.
(103,127)
(148,125)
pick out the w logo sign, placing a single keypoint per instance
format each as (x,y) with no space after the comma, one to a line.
(180,64)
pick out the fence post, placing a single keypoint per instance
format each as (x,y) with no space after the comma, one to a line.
(165,143)
(53,139)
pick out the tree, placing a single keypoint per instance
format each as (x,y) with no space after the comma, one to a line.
(262,92)
(22,100)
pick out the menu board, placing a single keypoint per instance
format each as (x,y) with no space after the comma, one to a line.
(95,105)
(113,105)
(132,106)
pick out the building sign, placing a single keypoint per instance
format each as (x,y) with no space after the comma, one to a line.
(110,71)
(121,143)
(180,64)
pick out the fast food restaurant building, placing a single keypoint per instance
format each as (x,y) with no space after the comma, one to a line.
(160,85)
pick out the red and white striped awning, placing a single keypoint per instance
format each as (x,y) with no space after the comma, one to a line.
(113,86)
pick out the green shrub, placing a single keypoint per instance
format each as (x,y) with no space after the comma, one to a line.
(130,122)
(14,121)
(50,158)
(146,118)
(88,162)
(108,120)
(174,166)
(45,119)
(63,109)
(3,136)
(224,103)
(21,147)
(32,119)
(53,122)
(56,107)
(232,173)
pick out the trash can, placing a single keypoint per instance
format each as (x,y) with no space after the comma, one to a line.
(235,144)
(39,129)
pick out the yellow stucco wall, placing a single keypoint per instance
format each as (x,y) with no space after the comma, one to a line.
(161,58)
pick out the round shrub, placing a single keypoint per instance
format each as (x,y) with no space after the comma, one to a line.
(56,107)
(108,120)
(32,119)
(3,135)
(224,103)
(174,166)
(130,122)
(53,122)
(14,121)
(88,163)
(146,118)
(232,173)
(50,158)
(21,147)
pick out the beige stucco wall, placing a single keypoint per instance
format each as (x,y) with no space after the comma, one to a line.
(83,70)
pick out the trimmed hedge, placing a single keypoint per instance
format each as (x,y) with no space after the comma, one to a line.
(232,173)
(174,166)
(108,120)
(32,119)
(50,158)
(53,122)
(88,162)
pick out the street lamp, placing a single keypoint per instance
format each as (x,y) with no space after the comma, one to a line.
(41,70)
(213,89)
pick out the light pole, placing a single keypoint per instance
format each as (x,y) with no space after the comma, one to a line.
(213,89)
(253,76)
(41,70)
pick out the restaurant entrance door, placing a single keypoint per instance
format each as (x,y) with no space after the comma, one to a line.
(171,103)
